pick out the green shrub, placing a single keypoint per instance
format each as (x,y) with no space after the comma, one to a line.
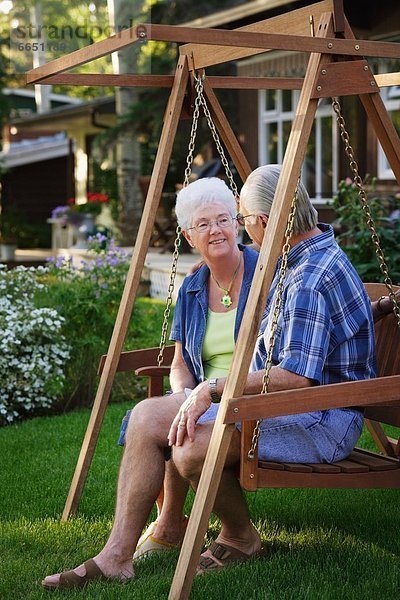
(88,298)
(355,237)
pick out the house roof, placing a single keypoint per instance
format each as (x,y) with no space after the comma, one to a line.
(91,115)
(60,98)
(236,13)
(37,150)
(363,15)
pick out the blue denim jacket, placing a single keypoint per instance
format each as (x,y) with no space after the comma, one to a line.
(190,317)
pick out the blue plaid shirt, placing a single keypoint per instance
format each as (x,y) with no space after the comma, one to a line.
(325,328)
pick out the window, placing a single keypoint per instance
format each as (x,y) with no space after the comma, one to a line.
(276,113)
(391,98)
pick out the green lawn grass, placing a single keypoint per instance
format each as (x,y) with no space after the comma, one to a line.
(323,544)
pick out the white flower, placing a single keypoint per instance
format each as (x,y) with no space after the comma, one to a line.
(33,350)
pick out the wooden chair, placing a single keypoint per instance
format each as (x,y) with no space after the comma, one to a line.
(379,397)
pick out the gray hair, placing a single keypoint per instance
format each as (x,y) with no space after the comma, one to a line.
(258,193)
(199,194)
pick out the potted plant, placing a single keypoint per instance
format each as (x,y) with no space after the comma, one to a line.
(75,213)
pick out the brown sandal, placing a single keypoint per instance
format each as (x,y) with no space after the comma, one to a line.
(69,579)
(221,556)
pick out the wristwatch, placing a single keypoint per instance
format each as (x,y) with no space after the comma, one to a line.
(212,384)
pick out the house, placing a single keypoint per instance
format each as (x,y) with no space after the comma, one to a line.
(265,116)
(45,157)
(262,122)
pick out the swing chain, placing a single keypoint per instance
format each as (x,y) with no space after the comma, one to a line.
(177,243)
(218,144)
(199,101)
(168,302)
(193,131)
(276,311)
(365,206)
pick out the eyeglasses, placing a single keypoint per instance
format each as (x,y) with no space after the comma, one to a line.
(241,219)
(204,226)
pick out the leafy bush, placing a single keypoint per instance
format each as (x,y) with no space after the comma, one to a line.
(355,237)
(33,351)
(88,297)
(56,322)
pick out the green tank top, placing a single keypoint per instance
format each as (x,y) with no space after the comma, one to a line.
(219,343)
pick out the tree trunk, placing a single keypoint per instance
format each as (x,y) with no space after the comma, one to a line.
(127,148)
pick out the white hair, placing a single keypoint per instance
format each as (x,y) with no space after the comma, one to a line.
(199,194)
(258,193)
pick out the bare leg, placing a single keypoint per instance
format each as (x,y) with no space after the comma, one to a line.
(170,518)
(139,482)
(230,506)
(160,500)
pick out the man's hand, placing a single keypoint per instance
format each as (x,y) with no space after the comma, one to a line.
(191,410)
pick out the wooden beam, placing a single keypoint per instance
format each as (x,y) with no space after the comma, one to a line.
(381,121)
(166,81)
(288,23)
(133,359)
(345,78)
(264,272)
(122,39)
(131,285)
(384,129)
(108,79)
(338,17)
(368,392)
(383,443)
(387,79)
(244,39)
(269,41)
(256,83)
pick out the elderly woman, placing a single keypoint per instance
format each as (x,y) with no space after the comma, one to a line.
(207,317)
(206,322)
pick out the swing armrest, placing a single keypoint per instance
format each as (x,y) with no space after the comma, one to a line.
(152,371)
(155,374)
(135,359)
(141,361)
(362,393)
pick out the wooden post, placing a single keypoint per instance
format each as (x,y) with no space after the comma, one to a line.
(269,253)
(381,121)
(384,129)
(132,281)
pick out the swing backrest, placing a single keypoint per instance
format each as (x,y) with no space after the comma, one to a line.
(387,335)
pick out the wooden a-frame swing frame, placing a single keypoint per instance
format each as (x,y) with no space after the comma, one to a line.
(325,77)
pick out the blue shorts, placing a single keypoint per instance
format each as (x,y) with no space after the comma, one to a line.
(325,436)
(122,429)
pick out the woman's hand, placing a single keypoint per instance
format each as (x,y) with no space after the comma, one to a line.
(191,410)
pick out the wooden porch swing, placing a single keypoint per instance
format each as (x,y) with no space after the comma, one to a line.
(336,68)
